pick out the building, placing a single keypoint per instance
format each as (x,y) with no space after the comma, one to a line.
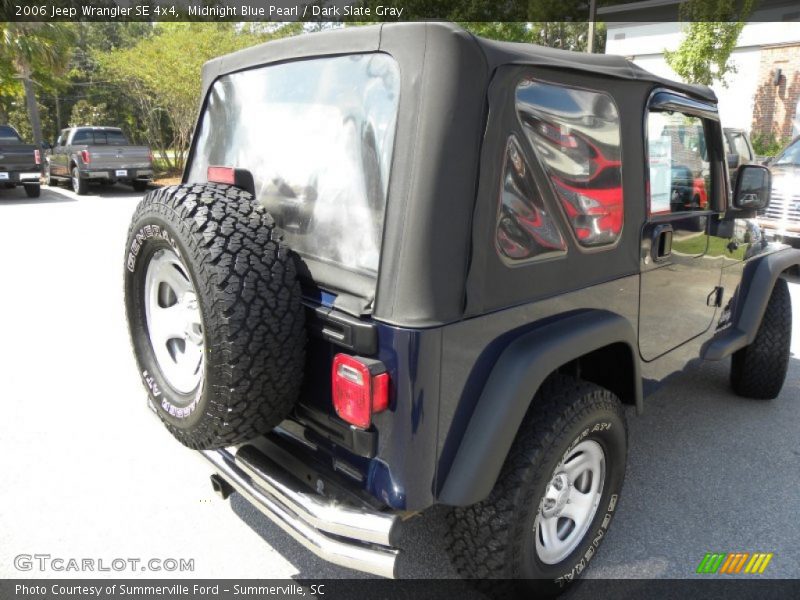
(761,97)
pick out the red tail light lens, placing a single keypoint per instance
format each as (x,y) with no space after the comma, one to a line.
(150,153)
(360,389)
(86,157)
(37,156)
(222,175)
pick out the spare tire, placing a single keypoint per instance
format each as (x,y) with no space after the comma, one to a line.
(214,313)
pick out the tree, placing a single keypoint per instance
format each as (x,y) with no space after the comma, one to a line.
(85,113)
(26,47)
(704,53)
(160,75)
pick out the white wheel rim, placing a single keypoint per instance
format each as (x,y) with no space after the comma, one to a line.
(174,323)
(570,502)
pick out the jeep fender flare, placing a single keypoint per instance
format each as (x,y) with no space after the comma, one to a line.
(755,289)
(516,377)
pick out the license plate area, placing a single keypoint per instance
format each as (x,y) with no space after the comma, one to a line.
(3,176)
(121,173)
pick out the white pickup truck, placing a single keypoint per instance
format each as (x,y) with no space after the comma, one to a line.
(100,155)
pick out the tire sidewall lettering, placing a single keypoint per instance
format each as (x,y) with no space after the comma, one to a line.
(146,232)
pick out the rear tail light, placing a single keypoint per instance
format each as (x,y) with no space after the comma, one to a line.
(86,157)
(37,156)
(150,155)
(222,175)
(360,389)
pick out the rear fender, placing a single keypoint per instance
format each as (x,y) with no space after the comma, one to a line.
(519,372)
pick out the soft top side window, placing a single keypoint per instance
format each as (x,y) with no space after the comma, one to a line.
(575,134)
(525,228)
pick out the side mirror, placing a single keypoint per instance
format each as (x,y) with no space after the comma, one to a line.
(752,188)
(47,145)
(733,161)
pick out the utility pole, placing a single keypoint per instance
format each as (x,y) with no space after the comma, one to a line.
(592,24)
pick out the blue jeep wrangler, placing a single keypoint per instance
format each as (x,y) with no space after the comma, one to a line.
(408,266)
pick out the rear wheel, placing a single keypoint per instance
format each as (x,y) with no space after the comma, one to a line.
(139,186)
(555,497)
(214,312)
(759,370)
(33,190)
(79,185)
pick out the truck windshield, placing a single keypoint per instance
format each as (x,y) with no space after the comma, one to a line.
(317,135)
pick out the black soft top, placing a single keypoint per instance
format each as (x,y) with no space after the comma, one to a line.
(437,261)
(496,54)
(610,65)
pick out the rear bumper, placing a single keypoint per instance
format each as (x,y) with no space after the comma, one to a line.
(28,176)
(130,174)
(359,538)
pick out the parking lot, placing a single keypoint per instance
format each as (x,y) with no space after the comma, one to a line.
(89,472)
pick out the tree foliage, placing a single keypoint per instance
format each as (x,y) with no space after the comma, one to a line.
(161,76)
(85,113)
(704,53)
(31,55)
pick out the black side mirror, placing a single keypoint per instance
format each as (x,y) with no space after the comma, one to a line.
(733,161)
(47,145)
(752,188)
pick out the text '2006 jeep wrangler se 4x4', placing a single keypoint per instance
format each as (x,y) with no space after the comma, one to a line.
(408,266)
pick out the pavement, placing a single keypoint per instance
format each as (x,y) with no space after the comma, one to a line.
(89,472)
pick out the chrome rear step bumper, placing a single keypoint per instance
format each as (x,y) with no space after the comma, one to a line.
(349,536)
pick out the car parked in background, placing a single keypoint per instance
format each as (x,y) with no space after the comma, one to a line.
(99,155)
(781,219)
(20,163)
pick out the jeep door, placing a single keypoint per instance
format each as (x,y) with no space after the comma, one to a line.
(680,278)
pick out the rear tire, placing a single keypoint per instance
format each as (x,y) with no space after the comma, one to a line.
(33,191)
(139,186)
(505,537)
(759,370)
(79,185)
(226,365)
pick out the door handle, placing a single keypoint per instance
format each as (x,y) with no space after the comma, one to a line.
(661,242)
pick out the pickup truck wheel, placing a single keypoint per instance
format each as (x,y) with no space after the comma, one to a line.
(79,185)
(554,499)
(139,186)
(214,313)
(759,370)
(33,190)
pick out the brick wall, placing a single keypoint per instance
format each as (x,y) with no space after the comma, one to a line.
(775,106)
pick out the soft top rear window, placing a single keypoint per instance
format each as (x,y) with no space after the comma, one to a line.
(317,135)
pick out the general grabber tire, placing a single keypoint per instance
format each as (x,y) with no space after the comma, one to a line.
(214,313)
(562,478)
(759,370)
